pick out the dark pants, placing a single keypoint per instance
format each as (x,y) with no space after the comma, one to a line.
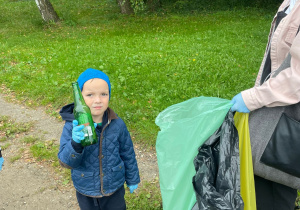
(115,201)
(273,196)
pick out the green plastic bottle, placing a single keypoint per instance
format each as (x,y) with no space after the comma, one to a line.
(82,114)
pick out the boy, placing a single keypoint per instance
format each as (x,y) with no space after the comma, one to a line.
(99,170)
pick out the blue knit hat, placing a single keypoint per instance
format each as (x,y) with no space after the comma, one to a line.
(91,74)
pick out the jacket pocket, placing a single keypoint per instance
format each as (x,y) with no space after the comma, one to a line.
(291,34)
(118,174)
(83,180)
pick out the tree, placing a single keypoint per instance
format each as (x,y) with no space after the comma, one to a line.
(125,6)
(47,11)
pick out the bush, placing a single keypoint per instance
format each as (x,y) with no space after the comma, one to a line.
(212,5)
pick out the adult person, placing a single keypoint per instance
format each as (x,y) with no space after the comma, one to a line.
(282,90)
(1,160)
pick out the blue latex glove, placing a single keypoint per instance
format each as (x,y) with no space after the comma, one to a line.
(1,162)
(239,104)
(77,134)
(132,187)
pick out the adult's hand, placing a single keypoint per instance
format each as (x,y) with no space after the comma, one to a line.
(1,163)
(239,104)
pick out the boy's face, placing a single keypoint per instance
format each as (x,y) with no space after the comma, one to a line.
(95,93)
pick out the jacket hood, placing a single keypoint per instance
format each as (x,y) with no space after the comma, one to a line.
(66,112)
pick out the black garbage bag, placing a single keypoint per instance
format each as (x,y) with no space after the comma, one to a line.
(217,179)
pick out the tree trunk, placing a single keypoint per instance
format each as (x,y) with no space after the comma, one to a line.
(125,6)
(47,11)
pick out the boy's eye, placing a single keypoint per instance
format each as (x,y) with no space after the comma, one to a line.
(104,94)
(89,95)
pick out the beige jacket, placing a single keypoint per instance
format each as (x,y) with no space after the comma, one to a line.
(284,89)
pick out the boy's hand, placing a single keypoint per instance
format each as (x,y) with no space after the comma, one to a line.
(77,134)
(1,162)
(132,188)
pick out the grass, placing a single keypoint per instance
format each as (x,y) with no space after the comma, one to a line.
(45,151)
(148,197)
(298,200)
(15,158)
(30,139)
(9,128)
(5,146)
(153,61)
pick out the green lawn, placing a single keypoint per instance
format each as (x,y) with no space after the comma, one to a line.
(153,60)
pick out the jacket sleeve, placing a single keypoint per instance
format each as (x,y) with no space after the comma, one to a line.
(68,157)
(127,154)
(282,90)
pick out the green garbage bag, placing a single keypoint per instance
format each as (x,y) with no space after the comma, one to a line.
(183,128)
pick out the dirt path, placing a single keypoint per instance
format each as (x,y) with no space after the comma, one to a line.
(28,184)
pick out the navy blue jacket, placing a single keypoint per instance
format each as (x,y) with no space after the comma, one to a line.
(100,169)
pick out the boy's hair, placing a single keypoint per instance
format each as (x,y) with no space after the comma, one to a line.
(92,74)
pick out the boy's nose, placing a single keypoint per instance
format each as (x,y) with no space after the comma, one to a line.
(98,99)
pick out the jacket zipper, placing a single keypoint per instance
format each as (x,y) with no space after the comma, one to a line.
(100,159)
